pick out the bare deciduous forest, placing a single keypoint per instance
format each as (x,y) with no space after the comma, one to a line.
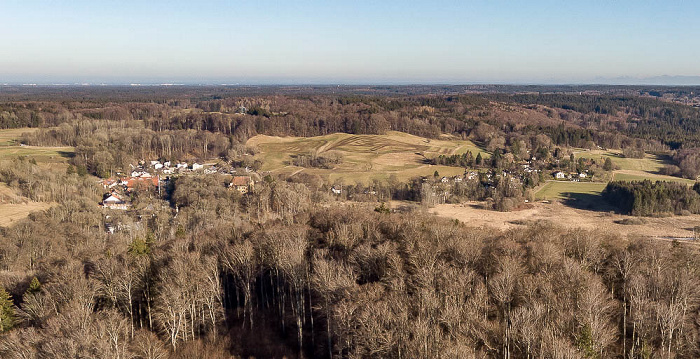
(287,269)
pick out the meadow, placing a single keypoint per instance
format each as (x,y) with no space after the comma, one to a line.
(12,206)
(364,157)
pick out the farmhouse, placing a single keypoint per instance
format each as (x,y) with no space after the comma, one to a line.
(560,175)
(242,184)
(114,201)
(141,183)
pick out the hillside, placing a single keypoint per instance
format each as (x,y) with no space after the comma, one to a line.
(364,157)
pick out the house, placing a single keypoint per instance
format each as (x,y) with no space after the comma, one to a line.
(114,201)
(110,183)
(336,190)
(181,165)
(242,184)
(444,180)
(141,183)
(560,175)
(158,166)
(196,166)
(581,175)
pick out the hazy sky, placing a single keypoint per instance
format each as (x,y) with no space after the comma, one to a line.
(350,41)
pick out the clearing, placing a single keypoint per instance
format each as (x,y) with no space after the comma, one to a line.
(560,214)
(14,207)
(45,156)
(651,163)
(365,157)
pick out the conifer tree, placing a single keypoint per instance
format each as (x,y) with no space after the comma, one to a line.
(7,311)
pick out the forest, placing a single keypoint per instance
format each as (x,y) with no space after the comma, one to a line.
(279,273)
(647,198)
(293,270)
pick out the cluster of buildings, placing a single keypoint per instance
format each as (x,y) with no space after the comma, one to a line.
(147,176)
(571,176)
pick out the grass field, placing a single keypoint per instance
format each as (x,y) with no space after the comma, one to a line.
(650,163)
(365,157)
(562,189)
(9,137)
(584,195)
(13,212)
(629,175)
(12,206)
(10,148)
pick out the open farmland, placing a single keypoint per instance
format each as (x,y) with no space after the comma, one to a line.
(631,175)
(651,163)
(9,137)
(365,157)
(49,156)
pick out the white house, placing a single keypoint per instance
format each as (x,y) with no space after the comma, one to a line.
(560,175)
(336,190)
(113,201)
(197,166)
(581,175)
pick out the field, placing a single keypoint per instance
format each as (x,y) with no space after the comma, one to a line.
(10,213)
(629,175)
(8,137)
(365,157)
(650,163)
(49,156)
(562,215)
(12,206)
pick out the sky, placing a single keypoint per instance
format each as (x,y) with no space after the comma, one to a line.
(348,42)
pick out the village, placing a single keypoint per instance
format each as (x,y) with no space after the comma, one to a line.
(155,175)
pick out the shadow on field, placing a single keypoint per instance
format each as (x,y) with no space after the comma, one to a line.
(66,154)
(587,201)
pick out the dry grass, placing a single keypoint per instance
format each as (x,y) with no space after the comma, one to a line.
(48,157)
(650,163)
(365,157)
(630,175)
(560,214)
(10,213)
(9,137)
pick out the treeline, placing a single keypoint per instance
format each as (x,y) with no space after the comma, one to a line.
(465,160)
(674,124)
(104,147)
(647,198)
(567,120)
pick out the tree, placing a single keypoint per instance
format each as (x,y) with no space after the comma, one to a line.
(608,165)
(479,160)
(7,311)
(34,286)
